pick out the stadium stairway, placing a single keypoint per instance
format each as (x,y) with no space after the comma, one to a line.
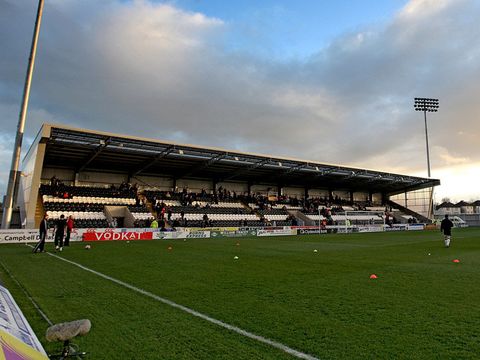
(301,217)
(245,205)
(148,205)
(404,211)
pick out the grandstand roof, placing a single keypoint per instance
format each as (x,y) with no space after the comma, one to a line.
(87,150)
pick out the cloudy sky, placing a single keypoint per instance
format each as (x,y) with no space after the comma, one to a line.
(329,81)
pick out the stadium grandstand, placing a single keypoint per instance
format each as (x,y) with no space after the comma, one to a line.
(111,180)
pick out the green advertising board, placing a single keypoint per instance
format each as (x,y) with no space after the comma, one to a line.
(233,233)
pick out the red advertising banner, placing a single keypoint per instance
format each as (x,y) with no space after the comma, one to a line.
(117,236)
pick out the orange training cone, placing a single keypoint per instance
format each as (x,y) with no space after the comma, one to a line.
(373,276)
(456,261)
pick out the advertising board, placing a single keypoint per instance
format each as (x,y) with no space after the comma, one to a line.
(231,228)
(16,336)
(13,236)
(113,235)
(310,231)
(22,236)
(233,233)
(370,229)
(276,231)
(167,235)
(396,227)
(415,227)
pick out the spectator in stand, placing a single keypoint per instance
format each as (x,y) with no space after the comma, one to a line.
(323,224)
(162,225)
(176,223)
(388,219)
(70,225)
(60,227)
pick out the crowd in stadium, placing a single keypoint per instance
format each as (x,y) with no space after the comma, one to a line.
(182,207)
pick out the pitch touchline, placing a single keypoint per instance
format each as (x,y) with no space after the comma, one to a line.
(238,330)
(21,287)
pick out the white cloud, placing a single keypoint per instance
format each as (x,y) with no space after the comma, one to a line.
(424,8)
(459,182)
(449,159)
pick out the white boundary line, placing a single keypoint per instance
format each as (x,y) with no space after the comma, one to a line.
(37,307)
(238,330)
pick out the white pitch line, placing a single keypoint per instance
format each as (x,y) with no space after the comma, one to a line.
(25,292)
(238,330)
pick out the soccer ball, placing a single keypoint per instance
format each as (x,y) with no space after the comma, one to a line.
(87,247)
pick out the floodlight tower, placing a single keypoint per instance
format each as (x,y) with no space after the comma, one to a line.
(14,173)
(426,105)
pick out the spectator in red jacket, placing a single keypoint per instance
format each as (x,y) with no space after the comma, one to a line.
(70,224)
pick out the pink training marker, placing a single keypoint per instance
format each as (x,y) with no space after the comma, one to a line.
(373,276)
(456,261)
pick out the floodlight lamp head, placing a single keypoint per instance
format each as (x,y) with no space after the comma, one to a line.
(426,104)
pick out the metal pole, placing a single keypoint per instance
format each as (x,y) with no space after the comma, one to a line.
(319,227)
(430,202)
(13,178)
(426,138)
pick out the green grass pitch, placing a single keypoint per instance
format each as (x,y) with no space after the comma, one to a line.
(421,306)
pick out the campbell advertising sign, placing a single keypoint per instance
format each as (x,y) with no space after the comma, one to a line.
(22,236)
(33,235)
